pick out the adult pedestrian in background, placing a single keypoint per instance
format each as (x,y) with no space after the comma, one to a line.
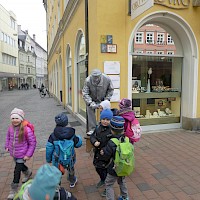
(97,88)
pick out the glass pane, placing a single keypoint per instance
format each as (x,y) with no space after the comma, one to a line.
(156,89)
(81,49)
(69,84)
(81,79)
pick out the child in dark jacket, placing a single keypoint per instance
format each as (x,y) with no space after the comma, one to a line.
(108,153)
(61,133)
(99,139)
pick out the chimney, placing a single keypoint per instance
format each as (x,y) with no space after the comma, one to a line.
(26,31)
(34,37)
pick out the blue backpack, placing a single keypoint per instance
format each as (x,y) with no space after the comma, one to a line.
(64,153)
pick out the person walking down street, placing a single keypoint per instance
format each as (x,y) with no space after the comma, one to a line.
(108,153)
(20,143)
(99,139)
(63,138)
(97,88)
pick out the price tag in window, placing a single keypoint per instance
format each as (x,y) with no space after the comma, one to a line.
(171,99)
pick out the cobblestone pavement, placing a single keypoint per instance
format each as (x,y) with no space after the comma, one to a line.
(40,111)
(167,163)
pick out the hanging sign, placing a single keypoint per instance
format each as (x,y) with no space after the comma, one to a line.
(140,6)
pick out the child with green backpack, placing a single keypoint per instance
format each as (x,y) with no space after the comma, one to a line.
(44,186)
(120,152)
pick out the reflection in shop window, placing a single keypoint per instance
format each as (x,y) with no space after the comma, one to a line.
(81,74)
(162,104)
(69,77)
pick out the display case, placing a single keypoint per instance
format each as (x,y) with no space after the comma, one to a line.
(156,89)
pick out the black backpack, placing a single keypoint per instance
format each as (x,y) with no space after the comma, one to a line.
(62,194)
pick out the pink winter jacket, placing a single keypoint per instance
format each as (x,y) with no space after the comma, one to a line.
(25,148)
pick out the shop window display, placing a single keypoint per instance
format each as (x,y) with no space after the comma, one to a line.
(156,89)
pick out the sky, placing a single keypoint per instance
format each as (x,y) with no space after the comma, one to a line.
(31,15)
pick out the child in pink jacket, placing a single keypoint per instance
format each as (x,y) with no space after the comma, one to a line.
(132,127)
(20,143)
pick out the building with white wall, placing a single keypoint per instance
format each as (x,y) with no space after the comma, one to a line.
(32,60)
(27,58)
(41,65)
(9,69)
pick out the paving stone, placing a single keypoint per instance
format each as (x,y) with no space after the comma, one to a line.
(75,123)
(90,189)
(143,187)
(158,176)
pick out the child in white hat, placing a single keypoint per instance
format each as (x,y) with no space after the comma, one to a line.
(20,143)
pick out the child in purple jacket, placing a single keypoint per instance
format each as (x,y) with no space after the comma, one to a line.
(20,143)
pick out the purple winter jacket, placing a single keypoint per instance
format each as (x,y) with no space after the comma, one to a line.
(25,148)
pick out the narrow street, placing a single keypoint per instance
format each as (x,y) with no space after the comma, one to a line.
(39,111)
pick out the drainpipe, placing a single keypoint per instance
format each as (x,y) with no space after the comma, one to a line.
(86,51)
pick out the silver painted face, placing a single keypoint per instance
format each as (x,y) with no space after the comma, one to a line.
(96,79)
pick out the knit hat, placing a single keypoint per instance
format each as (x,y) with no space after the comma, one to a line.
(61,119)
(45,182)
(17,113)
(117,124)
(96,72)
(105,104)
(125,103)
(106,114)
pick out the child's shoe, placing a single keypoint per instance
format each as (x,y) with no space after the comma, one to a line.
(103,194)
(13,191)
(121,198)
(100,184)
(72,184)
(27,174)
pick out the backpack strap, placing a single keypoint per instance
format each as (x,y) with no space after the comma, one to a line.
(121,139)
(115,140)
(19,195)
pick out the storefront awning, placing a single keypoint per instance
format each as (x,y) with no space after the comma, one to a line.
(10,75)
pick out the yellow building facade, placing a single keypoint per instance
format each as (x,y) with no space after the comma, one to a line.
(88,34)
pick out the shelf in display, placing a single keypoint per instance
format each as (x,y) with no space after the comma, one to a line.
(159,120)
(147,95)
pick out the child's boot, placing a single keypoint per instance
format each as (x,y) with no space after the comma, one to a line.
(27,174)
(73,183)
(13,191)
(121,198)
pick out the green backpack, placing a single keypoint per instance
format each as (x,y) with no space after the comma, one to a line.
(124,157)
(19,195)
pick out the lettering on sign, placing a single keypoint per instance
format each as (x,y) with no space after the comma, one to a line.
(138,3)
(175,4)
(140,6)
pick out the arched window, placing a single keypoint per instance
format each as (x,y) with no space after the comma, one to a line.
(69,76)
(81,73)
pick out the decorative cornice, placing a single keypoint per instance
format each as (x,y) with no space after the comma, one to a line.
(64,22)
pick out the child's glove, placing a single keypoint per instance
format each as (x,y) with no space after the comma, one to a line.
(97,143)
